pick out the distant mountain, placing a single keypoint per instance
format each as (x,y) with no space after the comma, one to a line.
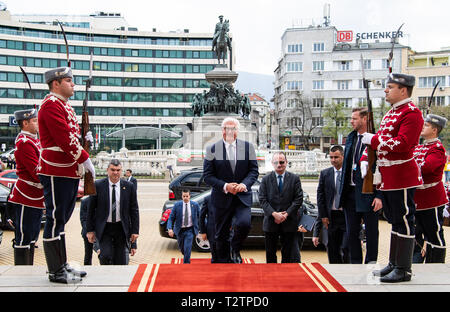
(255,83)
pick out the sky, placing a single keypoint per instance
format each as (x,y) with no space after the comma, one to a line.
(257,25)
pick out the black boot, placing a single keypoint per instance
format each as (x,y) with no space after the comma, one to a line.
(402,271)
(392,255)
(21,256)
(236,256)
(64,254)
(32,253)
(435,255)
(56,268)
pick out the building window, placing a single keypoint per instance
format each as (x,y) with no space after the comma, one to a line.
(318,103)
(317,121)
(319,47)
(318,84)
(367,64)
(437,100)
(294,66)
(318,65)
(294,85)
(343,84)
(347,102)
(295,48)
(344,65)
(430,82)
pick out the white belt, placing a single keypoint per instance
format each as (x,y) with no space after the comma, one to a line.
(425,186)
(37,185)
(66,165)
(53,148)
(388,163)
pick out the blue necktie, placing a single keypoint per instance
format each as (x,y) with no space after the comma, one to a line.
(337,196)
(280,183)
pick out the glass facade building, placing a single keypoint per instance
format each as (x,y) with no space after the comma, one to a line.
(139,78)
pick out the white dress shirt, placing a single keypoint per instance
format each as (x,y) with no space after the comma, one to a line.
(117,201)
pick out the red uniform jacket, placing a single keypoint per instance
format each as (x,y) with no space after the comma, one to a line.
(62,153)
(394,144)
(27,190)
(431,160)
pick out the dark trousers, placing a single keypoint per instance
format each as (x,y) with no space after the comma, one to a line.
(88,248)
(212,243)
(288,241)
(27,225)
(399,209)
(353,228)
(60,195)
(240,216)
(185,238)
(430,221)
(336,238)
(113,245)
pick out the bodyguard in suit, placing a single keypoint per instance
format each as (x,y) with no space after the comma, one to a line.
(281,196)
(230,168)
(113,216)
(328,204)
(206,224)
(358,206)
(183,222)
(88,247)
(129,177)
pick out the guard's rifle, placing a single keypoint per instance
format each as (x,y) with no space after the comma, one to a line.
(89,183)
(367,187)
(391,53)
(29,84)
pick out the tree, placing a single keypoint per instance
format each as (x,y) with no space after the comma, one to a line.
(303,117)
(336,120)
(443,111)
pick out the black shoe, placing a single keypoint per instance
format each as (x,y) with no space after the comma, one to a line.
(392,258)
(236,257)
(402,271)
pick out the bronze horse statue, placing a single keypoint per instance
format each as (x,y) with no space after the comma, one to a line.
(222,42)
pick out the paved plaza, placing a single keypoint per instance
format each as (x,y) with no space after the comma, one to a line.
(152,248)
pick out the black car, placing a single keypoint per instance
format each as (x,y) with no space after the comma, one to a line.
(256,235)
(192,180)
(4,213)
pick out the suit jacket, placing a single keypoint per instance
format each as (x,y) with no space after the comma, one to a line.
(132,180)
(175,221)
(207,218)
(98,210)
(362,202)
(325,192)
(217,171)
(290,200)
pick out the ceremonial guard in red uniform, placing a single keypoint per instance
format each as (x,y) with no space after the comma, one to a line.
(430,198)
(394,144)
(60,168)
(27,195)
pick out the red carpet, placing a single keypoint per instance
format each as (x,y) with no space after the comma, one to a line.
(286,277)
(207,261)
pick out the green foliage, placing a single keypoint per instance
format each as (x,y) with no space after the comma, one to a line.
(336,117)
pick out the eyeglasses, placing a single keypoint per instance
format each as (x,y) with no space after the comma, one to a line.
(279,162)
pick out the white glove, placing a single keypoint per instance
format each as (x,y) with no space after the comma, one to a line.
(89,137)
(88,166)
(367,138)
(364,166)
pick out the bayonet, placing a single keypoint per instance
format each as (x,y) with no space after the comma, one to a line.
(430,101)
(65,40)
(391,53)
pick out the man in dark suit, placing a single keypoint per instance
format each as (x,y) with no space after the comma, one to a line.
(183,222)
(281,196)
(330,211)
(358,206)
(129,177)
(230,168)
(113,216)
(207,229)
(88,247)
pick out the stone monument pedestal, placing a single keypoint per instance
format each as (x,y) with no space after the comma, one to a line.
(207,130)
